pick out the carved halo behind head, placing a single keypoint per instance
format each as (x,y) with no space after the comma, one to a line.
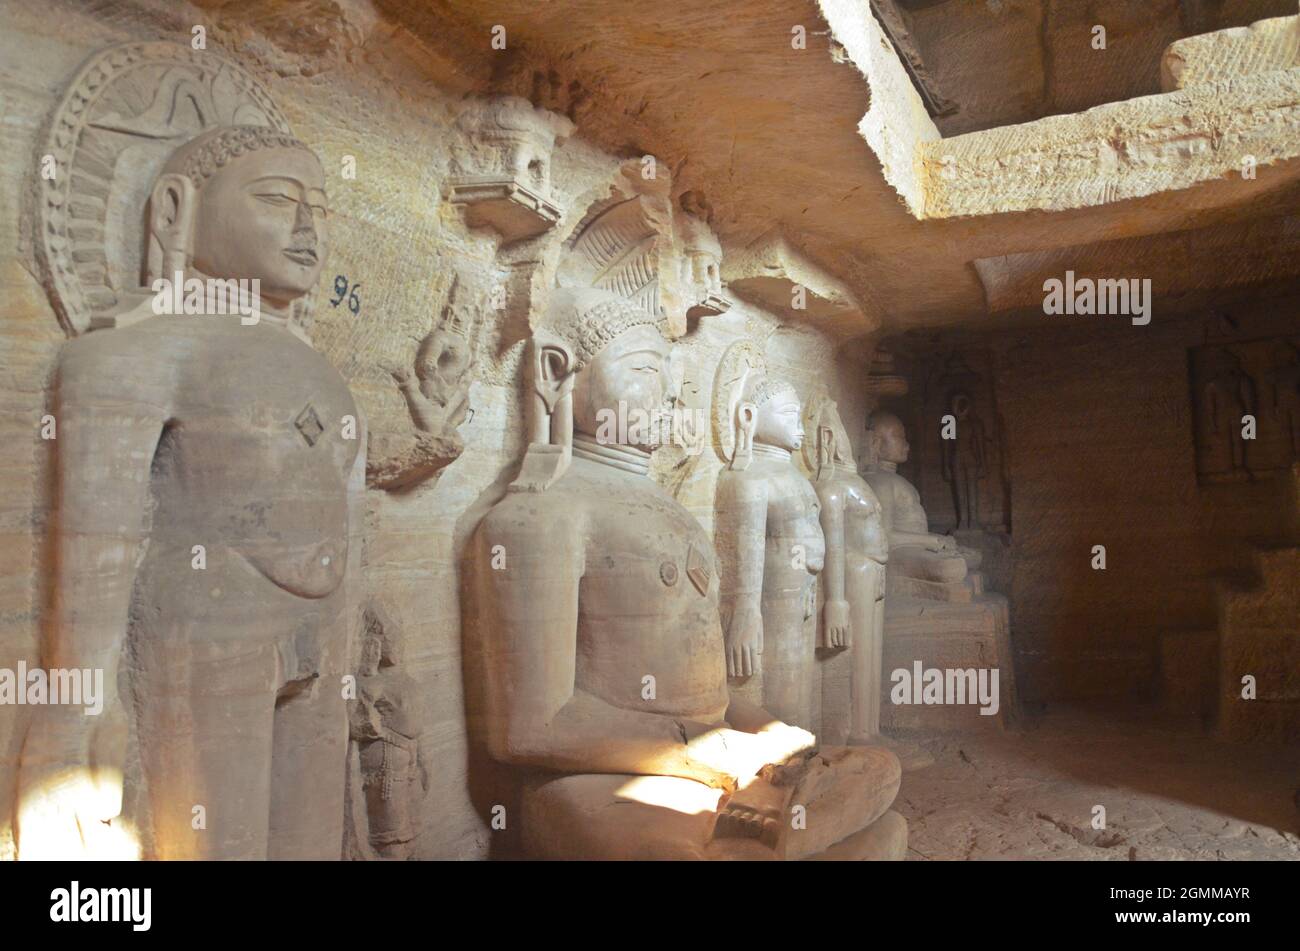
(125,114)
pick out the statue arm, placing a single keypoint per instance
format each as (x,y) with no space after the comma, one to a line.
(110,416)
(741,542)
(535,714)
(835,614)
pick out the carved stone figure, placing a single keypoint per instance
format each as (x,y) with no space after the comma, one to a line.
(208,478)
(857,549)
(964,460)
(1283,383)
(599,645)
(386,728)
(501,165)
(437,397)
(914,551)
(701,261)
(770,549)
(1227,394)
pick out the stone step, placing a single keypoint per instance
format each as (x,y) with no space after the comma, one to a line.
(945,636)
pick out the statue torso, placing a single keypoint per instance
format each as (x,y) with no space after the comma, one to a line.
(900,503)
(648,594)
(864,528)
(252,455)
(796,547)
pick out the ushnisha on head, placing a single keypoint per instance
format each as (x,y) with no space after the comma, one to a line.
(778,414)
(241,203)
(620,359)
(888,438)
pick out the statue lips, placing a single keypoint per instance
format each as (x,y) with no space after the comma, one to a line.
(307,257)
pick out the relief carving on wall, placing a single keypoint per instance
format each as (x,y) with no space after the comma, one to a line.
(1246,408)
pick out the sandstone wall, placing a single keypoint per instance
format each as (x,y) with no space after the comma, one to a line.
(1099,449)
(389,104)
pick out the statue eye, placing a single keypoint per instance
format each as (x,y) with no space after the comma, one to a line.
(275,198)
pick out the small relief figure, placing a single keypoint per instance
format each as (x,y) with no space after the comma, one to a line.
(438,396)
(1227,395)
(1283,389)
(386,728)
(436,390)
(964,460)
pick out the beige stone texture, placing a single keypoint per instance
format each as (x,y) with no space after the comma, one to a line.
(710,163)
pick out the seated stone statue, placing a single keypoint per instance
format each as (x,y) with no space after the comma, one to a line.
(599,647)
(207,485)
(914,551)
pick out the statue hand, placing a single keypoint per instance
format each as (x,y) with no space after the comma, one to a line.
(836,625)
(744,640)
(943,543)
(784,741)
(726,758)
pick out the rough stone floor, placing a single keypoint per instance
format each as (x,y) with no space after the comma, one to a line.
(1168,793)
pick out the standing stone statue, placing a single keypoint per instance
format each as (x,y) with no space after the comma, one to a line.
(596,646)
(770,548)
(964,460)
(857,549)
(209,471)
(1227,396)
(914,551)
(386,727)
(1283,386)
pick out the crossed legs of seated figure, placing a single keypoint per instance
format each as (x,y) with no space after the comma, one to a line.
(831,797)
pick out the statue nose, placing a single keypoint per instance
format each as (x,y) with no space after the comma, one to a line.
(303,224)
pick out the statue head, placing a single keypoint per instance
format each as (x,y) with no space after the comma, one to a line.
(620,362)
(888,438)
(959,404)
(777,412)
(241,202)
(832,447)
(380,646)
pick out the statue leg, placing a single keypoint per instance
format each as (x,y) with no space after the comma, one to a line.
(789,658)
(612,817)
(204,677)
(619,817)
(309,762)
(913,561)
(868,606)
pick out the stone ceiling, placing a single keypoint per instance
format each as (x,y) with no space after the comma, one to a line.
(830,145)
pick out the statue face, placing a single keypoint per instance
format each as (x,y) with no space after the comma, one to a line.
(626,380)
(891,441)
(780,422)
(441,364)
(263,216)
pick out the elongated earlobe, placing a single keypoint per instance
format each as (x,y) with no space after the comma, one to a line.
(171,225)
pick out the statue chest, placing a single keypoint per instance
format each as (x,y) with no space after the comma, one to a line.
(262,393)
(654,553)
(794,510)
